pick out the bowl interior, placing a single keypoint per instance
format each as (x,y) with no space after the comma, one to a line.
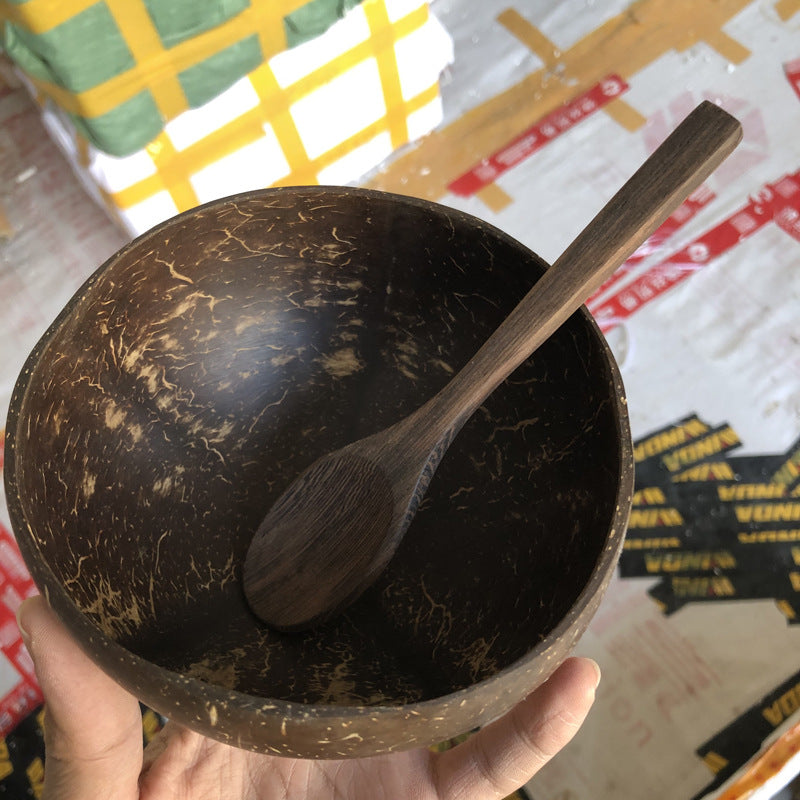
(208,363)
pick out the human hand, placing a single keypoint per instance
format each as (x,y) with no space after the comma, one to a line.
(93,743)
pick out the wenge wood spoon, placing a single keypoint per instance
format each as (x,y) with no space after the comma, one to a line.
(335,528)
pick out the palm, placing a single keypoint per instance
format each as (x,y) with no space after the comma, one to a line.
(184,764)
(491,764)
(400,776)
(94,751)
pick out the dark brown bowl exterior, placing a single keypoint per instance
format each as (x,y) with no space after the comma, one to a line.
(206,364)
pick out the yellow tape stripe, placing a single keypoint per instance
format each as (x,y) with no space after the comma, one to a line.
(241,132)
(275,110)
(625,115)
(163,153)
(175,167)
(40,16)
(727,46)
(383,41)
(494,197)
(787,9)
(365,135)
(141,36)
(82,151)
(103,98)
(280,98)
(61,97)
(530,36)
(347,60)
(268,17)
(184,163)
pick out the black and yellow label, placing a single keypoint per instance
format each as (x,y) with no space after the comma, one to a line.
(707,471)
(714,443)
(651,543)
(151,725)
(655,518)
(750,491)
(782,707)
(666,439)
(789,471)
(35,772)
(769,537)
(688,561)
(787,609)
(649,496)
(706,587)
(715,762)
(768,512)
(6,767)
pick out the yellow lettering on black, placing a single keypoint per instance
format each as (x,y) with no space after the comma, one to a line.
(773,715)
(653,562)
(709,471)
(768,512)
(151,725)
(790,470)
(656,543)
(796,555)
(703,587)
(666,440)
(35,774)
(783,707)
(751,491)
(654,518)
(785,607)
(722,587)
(715,762)
(794,578)
(761,537)
(6,767)
(702,448)
(687,561)
(649,496)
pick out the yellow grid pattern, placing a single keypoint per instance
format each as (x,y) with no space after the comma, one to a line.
(156,67)
(141,36)
(383,50)
(174,168)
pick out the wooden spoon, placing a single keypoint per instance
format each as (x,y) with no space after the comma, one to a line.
(336,527)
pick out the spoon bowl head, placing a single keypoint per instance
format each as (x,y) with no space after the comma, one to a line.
(209,362)
(299,569)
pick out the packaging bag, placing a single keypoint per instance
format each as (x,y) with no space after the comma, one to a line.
(326,111)
(122,68)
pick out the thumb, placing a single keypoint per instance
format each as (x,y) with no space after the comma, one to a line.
(93,727)
(505,755)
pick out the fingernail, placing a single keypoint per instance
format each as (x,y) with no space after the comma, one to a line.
(598,674)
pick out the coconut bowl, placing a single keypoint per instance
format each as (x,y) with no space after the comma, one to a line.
(207,363)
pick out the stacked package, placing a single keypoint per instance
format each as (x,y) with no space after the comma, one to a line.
(165,105)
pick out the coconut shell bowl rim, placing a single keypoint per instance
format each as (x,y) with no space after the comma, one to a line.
(487,698)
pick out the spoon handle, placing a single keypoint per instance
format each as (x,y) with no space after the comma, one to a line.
(685,159)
